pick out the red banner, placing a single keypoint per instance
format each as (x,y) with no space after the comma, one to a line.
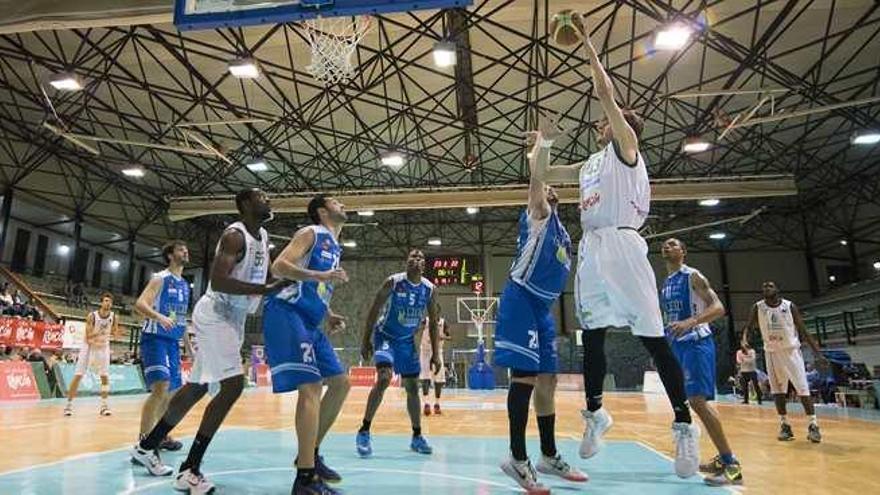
(19,332)
(17,381)
(185,370)
(365,376)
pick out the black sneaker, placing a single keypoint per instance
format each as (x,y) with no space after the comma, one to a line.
(316,487)
(325,472)
(785,433)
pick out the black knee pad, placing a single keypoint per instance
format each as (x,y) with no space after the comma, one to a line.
(523,374)
(232,387)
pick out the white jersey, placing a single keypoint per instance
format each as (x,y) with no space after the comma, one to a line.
(102,329)
(612,193)
(252,268)
(777,326)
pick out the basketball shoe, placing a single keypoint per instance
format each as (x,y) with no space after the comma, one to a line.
(316,487)
(420,445)
(150,460)
(364,444)
(192,482)
(731,474)
(525,475)
(687,448)
(785,433)
(596,424)
(555,466)
(813,433)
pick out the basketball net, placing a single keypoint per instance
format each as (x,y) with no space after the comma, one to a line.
(333,41)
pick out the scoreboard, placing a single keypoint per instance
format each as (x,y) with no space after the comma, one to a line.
(452,270)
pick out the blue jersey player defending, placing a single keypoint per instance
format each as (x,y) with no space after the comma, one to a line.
(164,304)
(301,356)
(394,318)
(689,304)
(525,337)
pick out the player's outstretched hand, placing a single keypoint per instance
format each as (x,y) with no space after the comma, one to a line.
(367,350)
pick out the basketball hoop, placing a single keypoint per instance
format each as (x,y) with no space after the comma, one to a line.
(477,311)
(333,41)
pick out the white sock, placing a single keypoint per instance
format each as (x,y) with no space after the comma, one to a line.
(813,420)
(782,419)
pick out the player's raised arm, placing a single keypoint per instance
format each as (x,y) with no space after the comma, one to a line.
(539,208)
(549,131)
(624,135)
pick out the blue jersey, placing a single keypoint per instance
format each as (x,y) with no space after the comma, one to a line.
(543,256)
(406,306)
(679,302)
(310,298)
(171,301)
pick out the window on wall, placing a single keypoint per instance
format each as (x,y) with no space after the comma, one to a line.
(19,252)
(97,269)
(80,264)
(40,257)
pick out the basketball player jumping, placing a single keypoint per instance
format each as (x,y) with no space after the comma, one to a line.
(781,326)
(164,304)
(615,284)
(525,336)
(426,374)
(390,329)
(95,353)
(300,355)
(689,304)
(237,280)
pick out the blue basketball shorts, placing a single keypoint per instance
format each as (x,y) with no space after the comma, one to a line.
(298,353)
(400,353)
(525,336)
(161,360)
(697,360)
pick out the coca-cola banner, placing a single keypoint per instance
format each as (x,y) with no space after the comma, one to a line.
(35,334)
(17,381)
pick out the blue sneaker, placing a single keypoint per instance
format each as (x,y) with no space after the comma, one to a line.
(316,487)
(324,472)
(364,444)
(420,445)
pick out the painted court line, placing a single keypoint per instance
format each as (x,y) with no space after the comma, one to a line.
(429,474)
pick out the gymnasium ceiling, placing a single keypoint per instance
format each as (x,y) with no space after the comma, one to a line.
(143,80)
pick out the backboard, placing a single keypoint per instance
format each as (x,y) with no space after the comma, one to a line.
(211,14)
(476,311)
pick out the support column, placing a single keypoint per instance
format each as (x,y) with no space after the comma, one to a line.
(76,255)
(728,306)
(853,258)
(5,212)
(812,276)
(128,283)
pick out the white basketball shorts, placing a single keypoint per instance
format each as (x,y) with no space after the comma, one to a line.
(426,373)
(615,284)
(786,366)
(218,340)
(95,357)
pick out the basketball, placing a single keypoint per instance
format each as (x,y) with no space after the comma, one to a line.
(565,27)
